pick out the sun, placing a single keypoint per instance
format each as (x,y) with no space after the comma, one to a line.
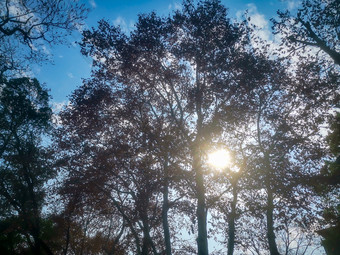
(219,159)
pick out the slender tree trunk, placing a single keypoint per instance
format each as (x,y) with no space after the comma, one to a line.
(202,239)
(231,221)
(131,227)
(67,241)
(165,209)
(146,238)
(40,245)
(116,240)
(148,244)
(147,241)
(270,224)
(268,177)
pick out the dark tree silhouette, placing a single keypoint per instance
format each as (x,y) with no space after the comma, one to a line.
(164,95)
(190,68)
(116,152)
(24,169)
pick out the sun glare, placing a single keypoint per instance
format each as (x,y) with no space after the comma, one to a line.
(219,159)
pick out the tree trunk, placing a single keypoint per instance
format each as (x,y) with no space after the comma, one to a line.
(146,238)
(147,241)
(148,244)
(231,220)
(165,209)
(202,239)
(270,224)
(67,241)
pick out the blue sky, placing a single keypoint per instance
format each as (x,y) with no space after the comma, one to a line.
(69,66)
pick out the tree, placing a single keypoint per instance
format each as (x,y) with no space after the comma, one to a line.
(289,139)
(316,24)
(129,164)
(160,98)
(328,187)
(25,26)
(24,165)
(188,68)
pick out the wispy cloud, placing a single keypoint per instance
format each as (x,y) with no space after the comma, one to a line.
(70,75)
(92,3)
(260,21)
(56,108)
(175,6)
(46,50)
(261,26)
(293,4)
(121,22)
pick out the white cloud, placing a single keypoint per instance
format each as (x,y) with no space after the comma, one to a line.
(74,44)
(70,75)
(61,56)
(37,70)
(46,50)
(261,25)
(121,22)
(175,6)
(292,4)
(93,3)
(58,106)
(260,21)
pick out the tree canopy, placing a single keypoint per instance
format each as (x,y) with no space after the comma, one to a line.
(129,153)
(24,169)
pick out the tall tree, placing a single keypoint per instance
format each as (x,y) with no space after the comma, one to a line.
(188,76)
(289,120)
(25,118)
(328,184)
(191,67)
(316,26)
(130,151)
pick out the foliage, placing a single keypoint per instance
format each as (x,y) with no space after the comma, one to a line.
(316,25)
(25,118)
(131,146)
(194,77)
(187,72)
